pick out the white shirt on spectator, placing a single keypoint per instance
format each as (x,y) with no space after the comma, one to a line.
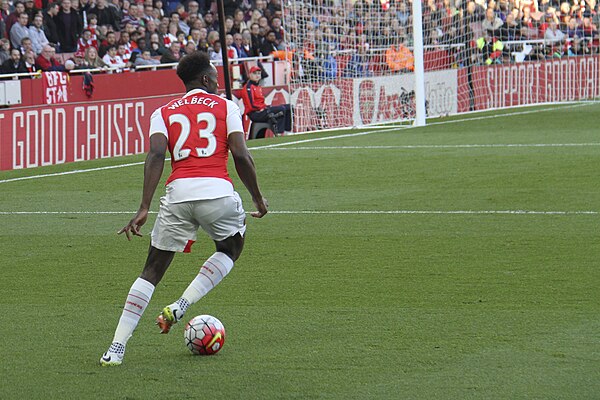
(116,62)
(38,38)
(553,36)
(18,32)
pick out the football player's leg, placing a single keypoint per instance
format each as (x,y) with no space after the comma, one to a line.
(137,300)
(227,230)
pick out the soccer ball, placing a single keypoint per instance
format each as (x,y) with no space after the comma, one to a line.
(204,335)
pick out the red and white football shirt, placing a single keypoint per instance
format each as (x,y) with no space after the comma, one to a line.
(197,126)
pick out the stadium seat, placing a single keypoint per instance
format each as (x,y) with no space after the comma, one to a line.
(258,130)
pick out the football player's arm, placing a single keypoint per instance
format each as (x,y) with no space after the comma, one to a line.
(153,168)
(244,165)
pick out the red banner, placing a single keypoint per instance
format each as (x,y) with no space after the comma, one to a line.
(59,134)
(56,87)
(560,80)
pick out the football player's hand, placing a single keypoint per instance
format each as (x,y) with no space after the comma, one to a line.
(133,227)
(261,207)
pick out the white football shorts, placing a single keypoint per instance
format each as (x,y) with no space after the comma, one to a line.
(177,224)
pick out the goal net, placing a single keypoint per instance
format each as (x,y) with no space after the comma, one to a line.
(353,60)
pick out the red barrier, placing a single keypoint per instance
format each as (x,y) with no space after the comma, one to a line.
(129,85)
(57,134)
(576,78)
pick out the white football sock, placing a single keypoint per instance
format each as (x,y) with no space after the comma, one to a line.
(211,273)
(138,298)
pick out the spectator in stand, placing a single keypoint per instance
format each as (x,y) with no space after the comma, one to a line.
(257,39)
(263,24)
(261,5)
(111,40)
(156,48)
(269,45)
(151,27)
(125,40)
(13,17)
(29,59)
(511,29)
(92,25)
(231,5)
(574,29)
(193,7)
(148,14)
(577,48)
(26,45)
(31,9)
(280,117)
(239,25)
(358,65)
(93,60)
(50,28)
(77,61)
(190,47)
(596,16)
(214,52)
(19,30)
(46,61)
(553,35)
(131,17)
(175,19)
(279,32)
(145,59)
(399,58)
(194,35)
(203,40)
(173,55)
(86,41)
(37,35)
(171,35)
(232,52)
(113,60)
(238,45)
(125,54)
(107,14)
(15,64)
(69,26)
(211,24)
(213,36)
(4,13)
(181,39)
(159,9)
(589,29)
(492,24)
(229,26)
(4,50)
(247,47)
(254,17)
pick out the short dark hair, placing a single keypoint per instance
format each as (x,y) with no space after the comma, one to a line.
(193,66)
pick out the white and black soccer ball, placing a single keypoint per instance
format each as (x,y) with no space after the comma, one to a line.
(204,335)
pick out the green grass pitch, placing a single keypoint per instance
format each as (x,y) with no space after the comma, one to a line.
(344,304)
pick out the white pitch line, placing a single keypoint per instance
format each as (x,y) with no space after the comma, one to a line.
(338,212)
(441,146)
(277,145)
(76,171)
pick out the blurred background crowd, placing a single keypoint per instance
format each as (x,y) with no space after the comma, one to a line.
(323,39)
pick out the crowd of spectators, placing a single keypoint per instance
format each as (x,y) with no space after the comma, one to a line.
(324,39)
(375,35)
(125,34)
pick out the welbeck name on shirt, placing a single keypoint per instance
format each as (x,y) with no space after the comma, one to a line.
(193,100)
